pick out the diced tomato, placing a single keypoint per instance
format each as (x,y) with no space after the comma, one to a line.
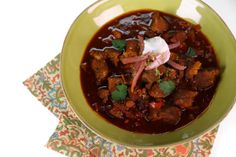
(156,105)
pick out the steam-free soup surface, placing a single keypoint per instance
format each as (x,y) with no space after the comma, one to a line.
(132,91)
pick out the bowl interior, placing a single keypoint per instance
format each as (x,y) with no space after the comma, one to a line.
(195,11)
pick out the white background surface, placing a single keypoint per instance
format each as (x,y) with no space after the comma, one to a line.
(31,34)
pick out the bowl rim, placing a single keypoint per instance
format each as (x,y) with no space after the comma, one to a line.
(100,134)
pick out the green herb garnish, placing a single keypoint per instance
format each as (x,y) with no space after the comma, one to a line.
(191,52)
(167,87)
(119,44)
(120,93)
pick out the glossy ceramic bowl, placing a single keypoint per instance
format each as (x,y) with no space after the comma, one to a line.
(195,11)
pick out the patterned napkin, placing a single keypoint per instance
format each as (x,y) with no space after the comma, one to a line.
(73,139)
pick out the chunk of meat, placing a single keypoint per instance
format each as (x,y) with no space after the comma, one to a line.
(184,98)
(179,77)
(100,69)
(174,56)
(205,79)
(108,53)
(156,92)
(171,74)
(192,36)
(169,114)
(103,94)
(117,111)
(159,24)
(138,94)
(162,69)
(179,37)
(184,25)
(133,113)
(150,34)
(98,55)
(132,49)
(120,111)
(130,104)
(113,82)
(149,77)
(117,34)
(193,70)
(128,77)
(167,36)
(132,45)
(113,55)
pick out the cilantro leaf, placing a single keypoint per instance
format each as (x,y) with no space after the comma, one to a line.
(167,87)
(191,52)
(120,93)
(119,44)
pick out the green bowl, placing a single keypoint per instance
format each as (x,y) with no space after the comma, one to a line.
(195,11)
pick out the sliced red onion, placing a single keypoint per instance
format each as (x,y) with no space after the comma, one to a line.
(136,66)
(176,65)
(137,75)
(135,59)
(175,45)
(156,63)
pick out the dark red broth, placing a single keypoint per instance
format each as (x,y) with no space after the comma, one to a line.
(147,110)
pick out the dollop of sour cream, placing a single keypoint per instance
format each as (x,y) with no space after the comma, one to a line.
(159,49)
